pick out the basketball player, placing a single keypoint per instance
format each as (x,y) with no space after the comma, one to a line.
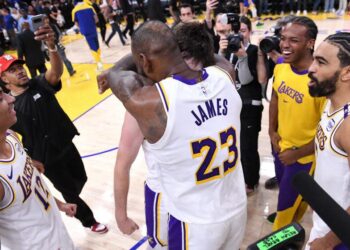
(330,77)
(293,116)
(29,216)
(85,17)
(197,49)
(190,120)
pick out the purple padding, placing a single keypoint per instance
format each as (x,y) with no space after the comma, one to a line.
(150,196)
(175,237)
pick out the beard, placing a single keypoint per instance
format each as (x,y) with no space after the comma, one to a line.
(323,88)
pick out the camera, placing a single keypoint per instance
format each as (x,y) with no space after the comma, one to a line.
(235,39)
(271,43)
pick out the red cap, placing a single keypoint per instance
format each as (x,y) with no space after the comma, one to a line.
(7,60)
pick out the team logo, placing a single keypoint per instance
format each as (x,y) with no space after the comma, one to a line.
(330,125)
(321,137)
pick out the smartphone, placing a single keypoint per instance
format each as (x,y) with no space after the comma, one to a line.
(37,21)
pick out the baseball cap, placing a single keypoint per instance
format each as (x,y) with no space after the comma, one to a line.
(7,60)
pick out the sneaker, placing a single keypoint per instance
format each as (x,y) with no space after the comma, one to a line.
(99,66)
(99,228)
(291,13)
(259,24)
(305,12)
(271,217)
(73,72)
(271,183)
(298,12)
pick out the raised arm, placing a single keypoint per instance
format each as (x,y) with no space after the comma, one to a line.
(129,145)
(141,99)
(125,63)
(210,6)
(46,34)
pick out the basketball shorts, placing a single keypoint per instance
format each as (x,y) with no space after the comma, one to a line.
(156,220)
(226,235)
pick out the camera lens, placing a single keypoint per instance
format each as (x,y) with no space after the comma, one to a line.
(269,43)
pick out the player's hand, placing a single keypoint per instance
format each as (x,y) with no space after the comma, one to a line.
(322,244)
(211,4)
(102,83)
(39,166)
(289,156)
(275,139)
(127,225)
(68,208)
(223,44)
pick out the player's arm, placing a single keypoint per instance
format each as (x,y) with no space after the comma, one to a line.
(68,208)
(330,240)
(125,63)
(261,68)
(141,99)
(221,62)
(53,75)
(129,145)
(273,122)
(292,155)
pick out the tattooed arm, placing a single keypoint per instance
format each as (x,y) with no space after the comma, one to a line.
(141,99)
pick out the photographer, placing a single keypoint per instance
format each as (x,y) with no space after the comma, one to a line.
(251,73)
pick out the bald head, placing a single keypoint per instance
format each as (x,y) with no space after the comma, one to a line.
(154,39)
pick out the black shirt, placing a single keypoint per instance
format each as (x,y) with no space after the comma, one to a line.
(252,90)
(45,127)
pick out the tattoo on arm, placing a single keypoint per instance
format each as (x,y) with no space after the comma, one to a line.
(124,84)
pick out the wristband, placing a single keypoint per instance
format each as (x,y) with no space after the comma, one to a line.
(54,49)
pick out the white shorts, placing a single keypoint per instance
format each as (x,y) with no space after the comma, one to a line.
(227,235)
(156,220)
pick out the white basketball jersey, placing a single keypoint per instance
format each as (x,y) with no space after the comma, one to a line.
(29,217)
(198,156)
(152,179)
(332,167)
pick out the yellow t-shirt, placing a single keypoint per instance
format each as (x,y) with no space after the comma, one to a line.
(298,112)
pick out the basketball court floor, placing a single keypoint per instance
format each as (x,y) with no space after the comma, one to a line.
(99,119)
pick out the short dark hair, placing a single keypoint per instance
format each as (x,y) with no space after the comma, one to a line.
(194,41)
(246,21)
(186,5)
(342,41)
(308,23)
(154,37)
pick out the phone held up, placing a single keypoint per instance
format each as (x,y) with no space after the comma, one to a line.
(37,21)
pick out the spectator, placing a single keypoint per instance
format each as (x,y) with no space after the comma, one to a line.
(155,11)
(25,18)
(30,49)
(251,73)
(10,25)
(46,130)
(293,117)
